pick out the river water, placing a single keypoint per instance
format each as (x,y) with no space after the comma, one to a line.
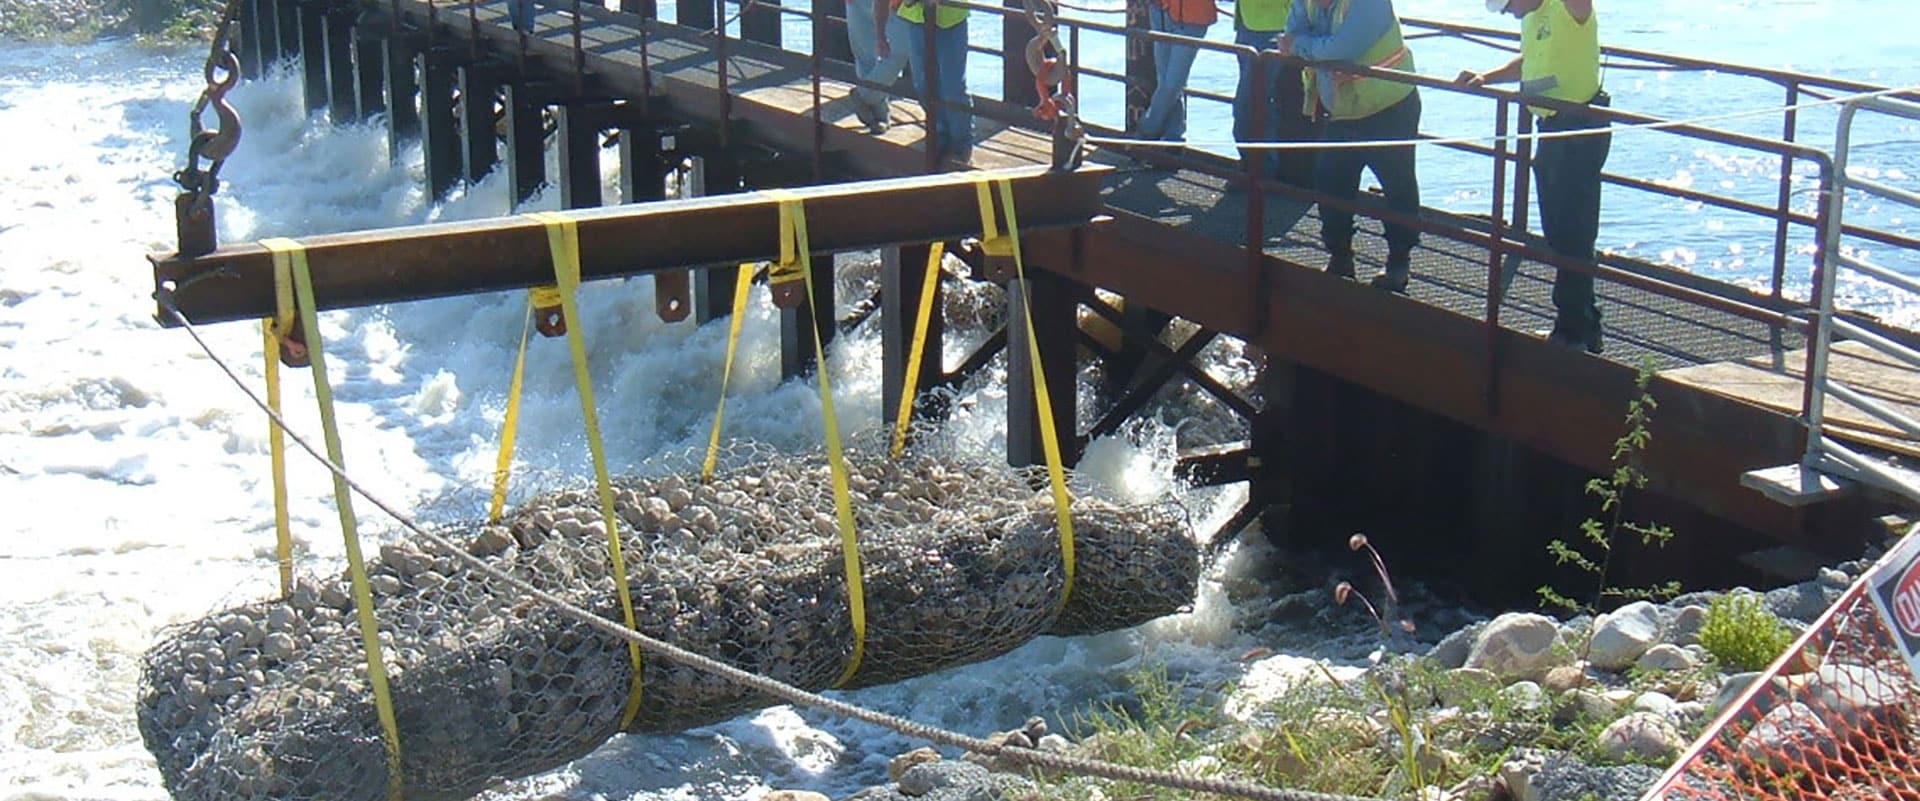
(133,475)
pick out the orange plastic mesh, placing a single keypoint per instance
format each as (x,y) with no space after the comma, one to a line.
(1832,719)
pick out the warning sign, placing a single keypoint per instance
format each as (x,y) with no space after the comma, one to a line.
(1895,589)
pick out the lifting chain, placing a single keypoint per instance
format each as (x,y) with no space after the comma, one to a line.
(193,209)
(1053,81)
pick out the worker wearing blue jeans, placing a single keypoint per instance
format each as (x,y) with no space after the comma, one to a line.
(1360,108)
(1560,60)
(1166,115)
(948,103)
(872,105)
(521,13)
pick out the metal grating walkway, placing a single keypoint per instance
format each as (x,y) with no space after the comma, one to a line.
(1450,273)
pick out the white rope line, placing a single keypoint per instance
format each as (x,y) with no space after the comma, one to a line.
(1493,139)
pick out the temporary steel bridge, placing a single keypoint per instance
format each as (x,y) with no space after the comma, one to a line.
(1438,418)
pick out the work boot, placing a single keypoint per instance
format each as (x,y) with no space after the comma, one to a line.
(1591,340)
(1340,265)
(1399,269)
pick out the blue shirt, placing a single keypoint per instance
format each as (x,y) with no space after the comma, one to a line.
(1320,40)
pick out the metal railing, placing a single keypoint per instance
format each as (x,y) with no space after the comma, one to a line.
(1505,236)
(1825,454)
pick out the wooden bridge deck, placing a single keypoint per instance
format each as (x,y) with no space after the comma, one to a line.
(1175,242)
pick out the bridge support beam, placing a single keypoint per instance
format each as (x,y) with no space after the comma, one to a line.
(579,137)
(403,89)
(798,324)
(902,279)
(479,145)
(526,142)
(1271,465)
(440,130)
(249,49)
(718,174)
(643,179)
(342,82)
(1050,301)
(369,67)
(313,53)
(286,28)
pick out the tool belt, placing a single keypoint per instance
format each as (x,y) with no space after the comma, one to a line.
(1573,120)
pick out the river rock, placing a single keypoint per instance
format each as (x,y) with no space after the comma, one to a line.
(1519,645)
(794,795)
(1666,658)
(1621,636)
(1641,735)
(1786,738)
(899,765)
(1684,629)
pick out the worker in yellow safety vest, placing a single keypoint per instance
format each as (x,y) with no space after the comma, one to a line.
(1266,102)
(1360,108)
(949,105)
(1560,59)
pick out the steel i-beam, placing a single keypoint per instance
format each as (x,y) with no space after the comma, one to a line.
(526,141)
(313,53)
(342,82)
(579,137)
(365,268)
(440,131)
(403,91)
(479,144)
(1049,300)
(369,68)
(902,278)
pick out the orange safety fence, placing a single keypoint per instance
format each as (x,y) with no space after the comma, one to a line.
(1833,718)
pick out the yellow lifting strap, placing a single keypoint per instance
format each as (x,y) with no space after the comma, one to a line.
(510,425)
(742,284)
(993,243)
(563,242)
(291,257)
(794,250)
(539,297)
(915,354)
(273,330)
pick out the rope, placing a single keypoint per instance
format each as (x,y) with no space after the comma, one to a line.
(290,275)
(923,318)
(563,242)
(1512,138)
(741,286)
(781,690)
(794,249)
(993,243)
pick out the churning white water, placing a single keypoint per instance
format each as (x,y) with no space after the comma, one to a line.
(133,476)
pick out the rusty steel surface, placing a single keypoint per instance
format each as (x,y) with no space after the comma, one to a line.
(1552,400)
(1175,243)
(369,267)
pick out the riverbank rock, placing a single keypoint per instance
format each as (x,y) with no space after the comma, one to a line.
(960,562)
(1519,645)
(1621,636)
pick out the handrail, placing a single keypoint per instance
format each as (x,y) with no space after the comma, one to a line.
(1779,76)
(1500,244)
(1822,452)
